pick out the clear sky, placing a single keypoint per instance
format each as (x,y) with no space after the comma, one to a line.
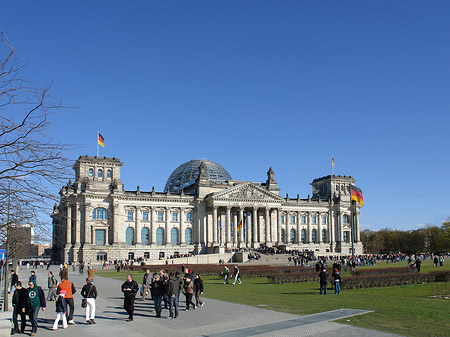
(253,84)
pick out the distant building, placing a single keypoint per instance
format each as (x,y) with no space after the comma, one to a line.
(201,210)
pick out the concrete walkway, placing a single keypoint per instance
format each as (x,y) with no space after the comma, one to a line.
(215,318)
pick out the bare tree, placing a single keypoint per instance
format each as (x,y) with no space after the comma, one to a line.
(32,164)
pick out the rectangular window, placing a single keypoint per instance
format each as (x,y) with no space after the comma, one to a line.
(303,218)
(324,219)
(292,218)
(160,216)
(130,215)
(282,219)
(347,236)
(145,215)
(100,237)
(314,219)
(174,216)
(146,255)
(188,217)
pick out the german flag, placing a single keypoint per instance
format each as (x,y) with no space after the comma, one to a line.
(101,140)
(356,194)
(239,227)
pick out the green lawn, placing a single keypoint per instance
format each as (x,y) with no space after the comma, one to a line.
(406,310)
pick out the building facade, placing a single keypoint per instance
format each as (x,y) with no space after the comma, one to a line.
(201,210)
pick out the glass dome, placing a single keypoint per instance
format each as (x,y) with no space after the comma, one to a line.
(187,173)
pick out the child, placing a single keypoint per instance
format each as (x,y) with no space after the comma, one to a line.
(61,309)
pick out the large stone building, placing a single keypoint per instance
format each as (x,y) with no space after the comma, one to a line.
(201,210)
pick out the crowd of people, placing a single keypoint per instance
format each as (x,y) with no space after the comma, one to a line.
(29,301)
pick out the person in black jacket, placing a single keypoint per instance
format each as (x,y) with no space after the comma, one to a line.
(198,285)
(323,275)
(14,280)
(173,285)
(157,292)
(129,289)
(61,309)
(20,304)
(89,292)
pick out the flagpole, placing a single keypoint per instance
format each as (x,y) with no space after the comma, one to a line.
(97,143)
(332,165)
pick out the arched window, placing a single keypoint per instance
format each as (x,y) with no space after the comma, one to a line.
(145,234)
(282,235)
(91,172)
(324,235)
(99,214)
(303,236)
(188,236)
(129,236)
(100,173)
(174,236)
(292,235)
(159,236)
(314,235)
(108,174)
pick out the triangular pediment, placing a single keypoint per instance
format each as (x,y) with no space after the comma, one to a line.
(246,192)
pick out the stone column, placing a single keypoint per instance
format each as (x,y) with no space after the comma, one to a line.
(166,230)
(138,226)
(87,224)
(267,225)
(279,226)
(254,226)
(182,229)
(331,229)
(309,234)
(78,225)
(69,226)
(153,226)
(299,233)
(214,229)
(234,228)
(116,226)
(107,236)
(228,226)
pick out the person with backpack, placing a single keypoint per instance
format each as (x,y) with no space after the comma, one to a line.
(36,300)
(52,283)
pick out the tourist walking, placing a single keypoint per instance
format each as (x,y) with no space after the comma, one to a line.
(237,275)
(91,273)
(14,280)
(198,285)
(225,273)
(188,288)
(337,281)
(323,275)
(418,262)
(157,292)
(61,309)
(20,303)
(36,300)
(89,293)
(129,289)
(32,276)
(70,290)
(173,286)
(52,283)
(146,283)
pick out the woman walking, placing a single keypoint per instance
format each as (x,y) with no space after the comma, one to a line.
(89,293)
(189,291)
(198,285)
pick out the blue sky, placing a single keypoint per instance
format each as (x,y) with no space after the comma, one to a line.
(255,84)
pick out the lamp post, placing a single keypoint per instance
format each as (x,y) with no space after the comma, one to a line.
(5,300)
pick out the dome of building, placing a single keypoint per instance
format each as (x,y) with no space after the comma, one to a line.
(187,173)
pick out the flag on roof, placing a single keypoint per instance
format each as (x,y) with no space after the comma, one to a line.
(101,140)
(356,194)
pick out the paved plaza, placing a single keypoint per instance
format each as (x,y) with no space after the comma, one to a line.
(215,318)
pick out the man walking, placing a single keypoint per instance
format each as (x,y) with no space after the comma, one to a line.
(129,289)
(146,283)
(225,273)
(173,287)
(36,300)
(237,276)
(52,283)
